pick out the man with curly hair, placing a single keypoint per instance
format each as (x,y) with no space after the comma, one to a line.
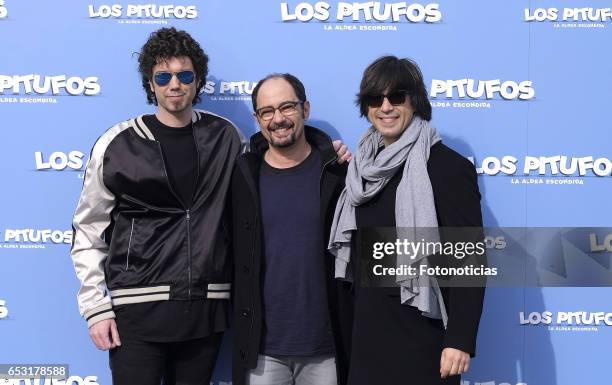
(151,243)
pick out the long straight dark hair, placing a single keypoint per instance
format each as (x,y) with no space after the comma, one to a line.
(390,73)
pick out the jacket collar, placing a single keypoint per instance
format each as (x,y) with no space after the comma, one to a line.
(145,132)
(315,137)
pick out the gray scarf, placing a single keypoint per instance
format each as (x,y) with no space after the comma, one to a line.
(414,207)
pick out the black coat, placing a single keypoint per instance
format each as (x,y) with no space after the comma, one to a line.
(386,332)
(457,199)
(248,254)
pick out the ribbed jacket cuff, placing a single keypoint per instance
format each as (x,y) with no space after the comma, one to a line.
(98,314)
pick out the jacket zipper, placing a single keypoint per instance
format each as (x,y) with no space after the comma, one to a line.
(187,218)
(127,258)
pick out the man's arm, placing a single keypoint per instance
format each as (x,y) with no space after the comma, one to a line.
(89,249)
(465,303)
(458,205)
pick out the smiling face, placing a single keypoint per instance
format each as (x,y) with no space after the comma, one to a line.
(391,120)
(174,98)
(287,128)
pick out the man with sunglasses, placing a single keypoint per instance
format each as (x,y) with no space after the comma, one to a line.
(403,176)
(287,305)
(151,245)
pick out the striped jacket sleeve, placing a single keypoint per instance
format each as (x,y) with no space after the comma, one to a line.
(89,249)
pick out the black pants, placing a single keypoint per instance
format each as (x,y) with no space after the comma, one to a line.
(175,363)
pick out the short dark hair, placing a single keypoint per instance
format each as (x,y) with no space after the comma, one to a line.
(166,43)
(392,73)
(295,83)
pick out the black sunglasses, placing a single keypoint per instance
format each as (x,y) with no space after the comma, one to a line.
(395,98)
(163,78)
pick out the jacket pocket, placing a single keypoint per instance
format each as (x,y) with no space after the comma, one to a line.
(129,247)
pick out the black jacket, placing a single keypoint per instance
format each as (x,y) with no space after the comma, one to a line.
(134,241)
(248,254)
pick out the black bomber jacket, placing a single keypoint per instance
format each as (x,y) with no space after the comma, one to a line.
(134,241)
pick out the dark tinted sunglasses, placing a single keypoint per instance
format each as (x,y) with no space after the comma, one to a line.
(163,78)
(395,98)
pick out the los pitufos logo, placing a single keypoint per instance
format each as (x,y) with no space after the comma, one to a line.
(362,12)
(143,11)
(482,89)
(48,85)
(576,318)
(36,236)
(568,14)
(557,165)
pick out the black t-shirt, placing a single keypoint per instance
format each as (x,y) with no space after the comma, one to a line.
(172,321)
(180,156)
(296,315)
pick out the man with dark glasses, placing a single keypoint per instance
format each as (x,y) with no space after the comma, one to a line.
(150,234)
(403,176)
(396,98)
(287,306)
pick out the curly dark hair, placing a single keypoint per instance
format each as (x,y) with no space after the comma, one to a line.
(164,44)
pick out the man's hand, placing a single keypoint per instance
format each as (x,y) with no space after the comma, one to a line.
(453,362)
(344,155)
(104,334)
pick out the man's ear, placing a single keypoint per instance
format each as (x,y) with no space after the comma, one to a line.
(306,107)
(256,119)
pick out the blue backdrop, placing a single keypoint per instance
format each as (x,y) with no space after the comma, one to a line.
(507,79)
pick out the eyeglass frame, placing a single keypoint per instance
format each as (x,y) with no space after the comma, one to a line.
(289,102)
(173,74)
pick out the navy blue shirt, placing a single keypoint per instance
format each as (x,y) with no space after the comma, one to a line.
(296,316)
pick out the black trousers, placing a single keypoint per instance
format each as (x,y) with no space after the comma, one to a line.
(188,362)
